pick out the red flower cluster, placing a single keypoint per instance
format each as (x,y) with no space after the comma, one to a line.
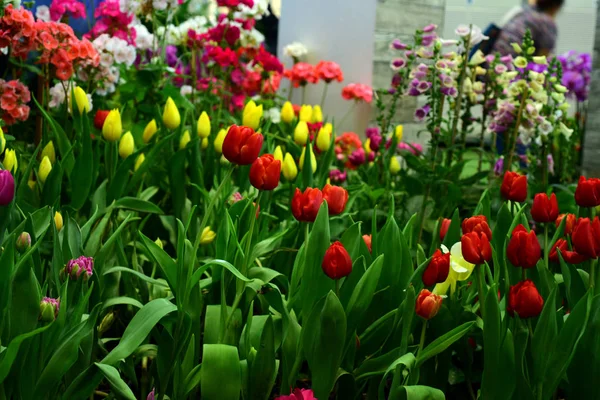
(358,92)
(305,206)
(13,98)
(301,74)
(73,8)
(234,3)
(264,172)
(586,237)
(444,226)
(587,193)
(571,257)
(569,224)
(111,20)
(18,31)
(329,71)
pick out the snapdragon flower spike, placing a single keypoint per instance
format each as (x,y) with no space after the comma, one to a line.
(81,265)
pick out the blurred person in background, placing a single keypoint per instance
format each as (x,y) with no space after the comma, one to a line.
(539,17)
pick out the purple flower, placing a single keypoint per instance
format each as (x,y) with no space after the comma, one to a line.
(151,395)
(357,157)
(421,113)
(499,166)
(398,45)
(337,176)
(7,188)
(427,40)
(573,81)
(396,80)
(80,265)
(449,91)
(372,131)
(49,309)
(171,55)
(398,63)
(430,28)
(414,148)
(550,164)
(375,142)
(423,86)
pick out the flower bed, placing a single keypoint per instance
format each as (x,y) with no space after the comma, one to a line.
(173,227)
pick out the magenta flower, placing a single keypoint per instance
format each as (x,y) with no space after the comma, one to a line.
(49,309)
(357,157)
(499,167)
(299,394)
(421,113)
(430,28)
(80,265)
(7,188)
(398,45)
(338,176)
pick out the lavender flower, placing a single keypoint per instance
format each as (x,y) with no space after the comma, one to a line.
(49,309)
(423,86)
(398,63)
(550,164)
(80,265)
(499,167)
(430,28)
(421,113)
(398,45)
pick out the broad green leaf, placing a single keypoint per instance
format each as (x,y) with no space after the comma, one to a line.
(544,337)
(82,174)
(114,301)
(362,295)
(135,204)
(13,348)
(143,277)
(406,361)
(443,342)
(116,382)
(164,261)
(263,366)
(220,375)
(421,393)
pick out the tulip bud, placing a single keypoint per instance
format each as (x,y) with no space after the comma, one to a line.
(394,165)
(112,128)
(138,162)
(428,304)
(80,266)
(444,228)
(185,139)
(149,131)
(337,262)
(10,161)
(171,117)
(525,300)
(278,154)
(586,237)
(81,99)
(476,247)
(49,309)
(2,141)
(23,242)
(523,249)
(99,118)
(48,151)
(306,112)
(368,239)
(7,188)
(289,169)
(305,206)
(399,132)
(242,145)
(208,235)
(58,221)
(438,269)
(336,197)
(203,126)
(313,160)
(587,193)
(301,133)
(514,187)
(264,172)
(106,323)
(44,169)
(126,145)
(544,208)
(287,112)
(323,139)
(159,243)
(478,224)
(317,114)
(251,115)
(218,144)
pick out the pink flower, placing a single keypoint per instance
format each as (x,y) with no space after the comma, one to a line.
(358,92)
(301,74)
(72,8)
(414,148)
(329,71)
(299,394)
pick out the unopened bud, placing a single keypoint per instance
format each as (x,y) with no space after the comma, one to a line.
(49,309)
(106,323)
(23,242)
(159,243)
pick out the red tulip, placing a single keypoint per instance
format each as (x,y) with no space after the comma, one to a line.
(444,228)
(478,224)
(476,248)
(305,206)
(337,262)
(569,225)
(524,249)
(587,193)
(544,209)
(367,239)
(572,257)
(99,118)
(242,145)
(514,187)
(336,198)
(428,304)
(438,268)
(264,172)
(586,237)
(525,300)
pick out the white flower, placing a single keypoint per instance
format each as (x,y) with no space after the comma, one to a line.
(274,114)
(144,40)
(185,90)
(477,35)
(565,131)
(43,13)
(477,59)
(252,38)
(295,50)
(57,96)
(106,59)
(545,128)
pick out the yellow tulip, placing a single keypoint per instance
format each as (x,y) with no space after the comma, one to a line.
(287,112)
(219,141)
(301,133)
(313,160)
(317,114)
(139,161)
(204,143)
(45,168)
(126,145)
(185,139)
(399,132)
(306,112)
(58,221)
(2,141)
(278,154)
(460,270)
(252,115)
(112,128)
(208,235)
(171,117)
(203,126)
(10,161)
(149,131)
(81,99)
(289,169)
(49,152)
(367,145)
(328,127)
(323,139)
(394,166)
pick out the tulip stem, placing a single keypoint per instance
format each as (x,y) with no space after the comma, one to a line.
(422,341)
(324,95)
(249,241)
(593,275)
(546,246)
(480,279)
(337,288)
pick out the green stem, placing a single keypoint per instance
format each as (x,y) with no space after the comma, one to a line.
(247,260)
(337,287)
(422,341)
(513,143)
(546,246)
(346,115)
(593,265)
(540,392)
(303,94)
(480,281)
(324,95)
